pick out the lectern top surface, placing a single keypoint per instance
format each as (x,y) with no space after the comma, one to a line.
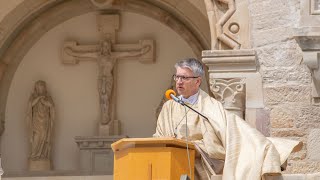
(150,142)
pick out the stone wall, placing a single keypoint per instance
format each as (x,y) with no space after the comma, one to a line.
(286,80)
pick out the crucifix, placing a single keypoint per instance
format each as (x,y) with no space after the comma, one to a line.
(106,54)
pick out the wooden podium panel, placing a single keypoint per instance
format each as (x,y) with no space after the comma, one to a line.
(152,159)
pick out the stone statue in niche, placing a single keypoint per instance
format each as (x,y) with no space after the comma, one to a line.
(106,59)
(40,118)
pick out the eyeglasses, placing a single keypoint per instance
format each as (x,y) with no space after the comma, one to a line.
(183,78)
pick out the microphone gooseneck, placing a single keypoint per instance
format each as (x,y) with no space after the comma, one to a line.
(170,94)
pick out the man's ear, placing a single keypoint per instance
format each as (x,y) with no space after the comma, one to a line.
(199,81)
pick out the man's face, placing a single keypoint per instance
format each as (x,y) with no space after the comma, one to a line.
(189,86)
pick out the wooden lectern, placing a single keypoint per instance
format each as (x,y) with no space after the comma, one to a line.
(152,159)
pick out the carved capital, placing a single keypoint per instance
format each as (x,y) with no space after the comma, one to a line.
(231,93)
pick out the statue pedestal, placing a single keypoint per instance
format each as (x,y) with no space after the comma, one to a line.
(39,165)
(96,155)
(111,129)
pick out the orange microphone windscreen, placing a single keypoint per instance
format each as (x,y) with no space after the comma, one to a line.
(168,92)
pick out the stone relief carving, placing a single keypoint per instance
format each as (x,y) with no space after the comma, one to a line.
(225,17)
(40,119)
(231,93)
(106,54)
(106,59)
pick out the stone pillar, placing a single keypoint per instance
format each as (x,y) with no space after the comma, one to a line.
(235,81)
(96,155)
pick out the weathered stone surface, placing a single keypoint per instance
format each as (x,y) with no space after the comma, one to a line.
(261,6)
(309,117)
(284,94)
(288,132)
(313,145)
(303,167)
(283,54)
(274,19)
(282,117)
(271,36)
(296,74)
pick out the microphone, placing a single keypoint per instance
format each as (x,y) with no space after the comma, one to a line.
(170,94)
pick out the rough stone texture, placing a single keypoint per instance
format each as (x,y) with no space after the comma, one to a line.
(314,145)
(303,167)
(265,6)
(282,54)
(288,132)
(287,94)
(272,20)
(308,117)
(282,117)
(296,74)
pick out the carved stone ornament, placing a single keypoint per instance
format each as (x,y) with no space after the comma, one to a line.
(229,25)
(106,54)
(231,93)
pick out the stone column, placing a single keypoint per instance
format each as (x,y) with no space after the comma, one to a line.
(235,81)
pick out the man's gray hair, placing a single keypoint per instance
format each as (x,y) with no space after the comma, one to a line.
(193,64)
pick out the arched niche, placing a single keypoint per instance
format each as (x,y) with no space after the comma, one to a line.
(24,26)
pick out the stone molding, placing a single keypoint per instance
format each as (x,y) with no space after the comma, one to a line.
(230,60)
(96,142)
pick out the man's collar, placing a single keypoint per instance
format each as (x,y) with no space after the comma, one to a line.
(191,100)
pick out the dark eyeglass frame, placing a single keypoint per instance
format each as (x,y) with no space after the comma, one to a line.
(183,78)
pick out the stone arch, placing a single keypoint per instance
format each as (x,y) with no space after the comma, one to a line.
(31,19)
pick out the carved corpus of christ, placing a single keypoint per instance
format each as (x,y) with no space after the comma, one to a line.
(106,54)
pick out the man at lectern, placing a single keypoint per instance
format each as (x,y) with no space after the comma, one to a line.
(226,143)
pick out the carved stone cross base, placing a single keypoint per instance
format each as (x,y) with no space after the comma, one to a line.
(96,155)
(113,128)
(39,165)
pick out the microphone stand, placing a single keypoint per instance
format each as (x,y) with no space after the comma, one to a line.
(183,104)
